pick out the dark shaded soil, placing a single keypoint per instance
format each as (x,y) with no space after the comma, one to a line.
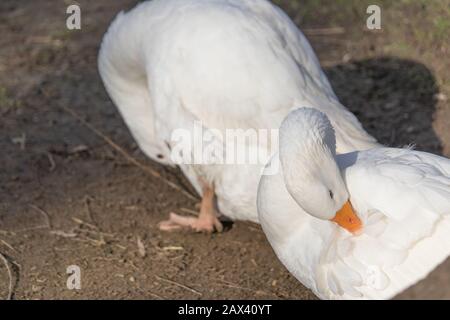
(67,198)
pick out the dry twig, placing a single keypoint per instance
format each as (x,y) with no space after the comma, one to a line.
(44,213)
(179,285)
(52,162)
(141,248)
(8,245)
(122,151)
(193,212)
(10,287)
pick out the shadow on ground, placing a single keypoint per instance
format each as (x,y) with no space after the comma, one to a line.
(393,98)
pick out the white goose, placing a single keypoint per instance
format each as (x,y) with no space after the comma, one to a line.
(399,212)
(226,63)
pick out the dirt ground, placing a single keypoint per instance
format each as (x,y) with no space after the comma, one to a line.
(68,198)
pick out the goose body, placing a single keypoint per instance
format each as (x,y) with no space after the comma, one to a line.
(242,64)
(401,196)
(227,64)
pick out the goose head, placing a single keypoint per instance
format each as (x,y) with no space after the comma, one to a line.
(311,174)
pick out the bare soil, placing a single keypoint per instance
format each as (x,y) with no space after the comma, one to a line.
(68,198)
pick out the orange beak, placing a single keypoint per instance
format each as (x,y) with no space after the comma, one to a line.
(347,218)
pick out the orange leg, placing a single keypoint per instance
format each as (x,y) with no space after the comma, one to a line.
(207,220)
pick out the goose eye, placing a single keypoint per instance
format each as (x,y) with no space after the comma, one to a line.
(331,194)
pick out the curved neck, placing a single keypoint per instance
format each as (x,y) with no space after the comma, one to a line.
(307,148)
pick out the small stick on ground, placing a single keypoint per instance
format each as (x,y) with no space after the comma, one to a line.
(64,234)
(179,285)
(122,151)
(45,214)
(150,293)
(10,290)
(141,248)
(21,141)
(8,245)
(52,162)
(172,248)
(88,210)
(193,212)
(155,295)
(31,229)
(84,223)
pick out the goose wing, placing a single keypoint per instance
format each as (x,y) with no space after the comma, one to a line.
(403,197)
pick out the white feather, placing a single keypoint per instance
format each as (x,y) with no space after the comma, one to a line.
(403,198)
(227,63)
